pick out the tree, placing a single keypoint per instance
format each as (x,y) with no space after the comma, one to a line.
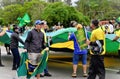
(59,12)
(34,8)
(95,9)
(10,13)
(1,21)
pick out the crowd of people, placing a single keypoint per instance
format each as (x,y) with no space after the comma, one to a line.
(36,41)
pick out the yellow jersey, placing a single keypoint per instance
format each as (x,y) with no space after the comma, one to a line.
(98,34)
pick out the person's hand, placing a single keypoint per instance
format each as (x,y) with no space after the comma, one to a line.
(24,50)
(46,49)
(87,42)
(2,33)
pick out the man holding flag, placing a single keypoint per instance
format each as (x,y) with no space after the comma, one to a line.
(79,39)
(35,44)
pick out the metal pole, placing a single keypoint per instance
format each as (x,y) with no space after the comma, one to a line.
(1,65)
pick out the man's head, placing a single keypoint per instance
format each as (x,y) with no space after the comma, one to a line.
(110,22)
(118,26)
(73,23)
(16,29)
(8,26)
(45,26)
(76,25)
(94,24)
(38,24)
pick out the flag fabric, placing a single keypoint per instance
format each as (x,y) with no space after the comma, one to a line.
(29,70)
(118,20)
(23,21)
(81,38)
(5,38)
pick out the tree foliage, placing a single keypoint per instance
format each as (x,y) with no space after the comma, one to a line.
(34,8)
(59,12)
(1,21)
(10,13)
(95,9)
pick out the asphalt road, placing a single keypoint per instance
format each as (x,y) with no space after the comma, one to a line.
(58,68)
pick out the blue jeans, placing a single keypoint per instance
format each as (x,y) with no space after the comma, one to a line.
(46,70)
(77,56)
(16,57)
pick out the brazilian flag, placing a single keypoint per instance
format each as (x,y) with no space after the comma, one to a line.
(29,70)
(81,38)
(23,21)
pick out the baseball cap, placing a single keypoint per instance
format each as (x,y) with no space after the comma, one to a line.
(37,22)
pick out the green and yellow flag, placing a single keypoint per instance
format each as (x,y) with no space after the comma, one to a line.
(23,21)
(24,68)
(81,38)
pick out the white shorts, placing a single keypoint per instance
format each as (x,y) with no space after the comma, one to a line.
(34,58)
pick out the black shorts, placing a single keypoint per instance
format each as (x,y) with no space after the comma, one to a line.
(7,45)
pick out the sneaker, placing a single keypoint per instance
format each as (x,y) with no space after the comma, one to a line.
(8,53)
(118,72)
(41,75)
(74,75)
(14,68)
(47,74)
(1,65)
(85,75)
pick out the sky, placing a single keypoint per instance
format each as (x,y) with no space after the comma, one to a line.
(73,2)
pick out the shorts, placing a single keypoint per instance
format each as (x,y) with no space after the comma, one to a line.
(7,45)
(34,58)
(77,56)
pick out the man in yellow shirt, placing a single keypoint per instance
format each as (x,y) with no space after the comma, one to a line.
(97,43)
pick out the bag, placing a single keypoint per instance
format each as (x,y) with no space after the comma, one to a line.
(96,48)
